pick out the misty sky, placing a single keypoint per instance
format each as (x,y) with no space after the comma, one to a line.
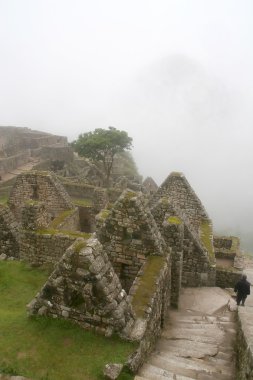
(175,74)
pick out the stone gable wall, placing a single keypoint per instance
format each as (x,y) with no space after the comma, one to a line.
(180,193)
(39,186)
(129,234)
(191,263)
(150,186)
(85,289)
(34,216)
(197,269)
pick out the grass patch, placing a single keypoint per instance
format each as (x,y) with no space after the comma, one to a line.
(43,348)
(83,202)
(206,234)
(51,231)
(60,218)
(79,246)
(174,220)
(130,194)
(4,199)
(147,284)
(104,213)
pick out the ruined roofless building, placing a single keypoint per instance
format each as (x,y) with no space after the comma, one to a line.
(124,277)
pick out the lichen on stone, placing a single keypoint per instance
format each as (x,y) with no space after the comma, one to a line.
(174,220)
(147,284)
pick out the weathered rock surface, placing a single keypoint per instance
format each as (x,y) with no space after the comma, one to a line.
(112,371)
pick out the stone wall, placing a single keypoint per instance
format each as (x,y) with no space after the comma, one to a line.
(244,345)
(190,249)
(33,141)
(34,216)
(59,153)
(226,247)
(198,270)
(81,191)
(173,232)
(43,247)
(11,163)
(9,234)
(151,305)
(129,234)
(227,277)
(150,185)
(42,187)
(180,193)
(85,289)
(67,221)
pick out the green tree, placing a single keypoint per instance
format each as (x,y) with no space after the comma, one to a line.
(102,145)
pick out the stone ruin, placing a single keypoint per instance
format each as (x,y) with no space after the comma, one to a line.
(150,186)
(18,146)
(84,288)
(124,276)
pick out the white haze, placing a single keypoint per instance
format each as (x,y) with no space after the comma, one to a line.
(177,75)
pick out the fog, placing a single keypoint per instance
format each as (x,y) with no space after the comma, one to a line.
(176,75)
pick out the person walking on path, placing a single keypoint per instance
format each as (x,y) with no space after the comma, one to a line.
(242,288)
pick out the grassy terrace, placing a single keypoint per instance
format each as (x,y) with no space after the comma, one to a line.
(82,202)
(47,349)
(147,284)
(4,199)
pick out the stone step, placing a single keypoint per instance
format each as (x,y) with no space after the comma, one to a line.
(155,373)
(216,361)
(196,325)
(214,336)
(203,376)
(187,348)
(179,365)
(175,364)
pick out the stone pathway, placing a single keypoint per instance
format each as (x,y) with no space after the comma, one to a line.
(197,341)
(13,173)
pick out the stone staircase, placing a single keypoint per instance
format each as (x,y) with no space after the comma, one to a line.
(194,345)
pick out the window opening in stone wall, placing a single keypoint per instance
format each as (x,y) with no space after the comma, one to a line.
(127,236)
(136,235)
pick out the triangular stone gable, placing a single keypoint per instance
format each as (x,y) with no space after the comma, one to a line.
(39,186)
(178,190)
(9,235)
(85,289)
(129,234)
(150,185)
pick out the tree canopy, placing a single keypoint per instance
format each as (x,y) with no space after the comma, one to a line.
(102,145)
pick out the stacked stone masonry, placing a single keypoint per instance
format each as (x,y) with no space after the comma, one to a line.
(19,145)
(129,234)
(85,289)
(126,276)
(39,186)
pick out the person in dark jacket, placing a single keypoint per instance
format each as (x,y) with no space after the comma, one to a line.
(242,288)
